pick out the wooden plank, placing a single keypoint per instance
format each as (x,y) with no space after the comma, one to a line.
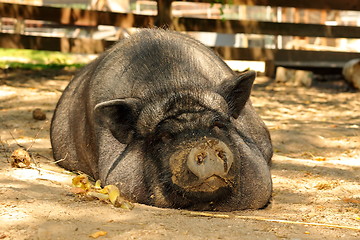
(352,5)
(284,55)
(74,16)
(93,18)
(67,45)
(269,28)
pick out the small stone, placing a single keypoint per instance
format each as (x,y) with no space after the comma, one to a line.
(351,72)
(294,77)
(38,114)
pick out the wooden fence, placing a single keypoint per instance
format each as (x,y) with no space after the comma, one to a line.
(88,20)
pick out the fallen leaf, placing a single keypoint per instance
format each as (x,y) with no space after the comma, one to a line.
(98,234)
(76,181)
(109,193)
(327,185)
(351,200)
(320,159)
(20,158)
(81,181)
(113,192)
(98,195)
(3,235)
(124,204)
(97,184)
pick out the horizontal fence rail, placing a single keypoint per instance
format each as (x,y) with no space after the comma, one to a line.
(89,20)
(350,5)
(269,28)
(78,45)
(71,16)
(66,45)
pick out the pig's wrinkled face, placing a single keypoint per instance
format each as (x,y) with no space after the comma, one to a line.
(188,134)
(189,138)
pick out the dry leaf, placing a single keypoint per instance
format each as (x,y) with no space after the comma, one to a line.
(320,159)
(97,184)
(327,185)
(351,200)
(77,181)
(113,192)
(81,181)
(20,158)
(323,186)
(124,204)
(98,234)
(100,196)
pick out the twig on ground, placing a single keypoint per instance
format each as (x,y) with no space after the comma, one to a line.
(37,134)
(19,145)
(60,160)
(257,218)
(43,156)
(5,149)
(297,222)
(33,142)
(50,171)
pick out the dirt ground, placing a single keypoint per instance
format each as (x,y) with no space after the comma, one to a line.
(316,172)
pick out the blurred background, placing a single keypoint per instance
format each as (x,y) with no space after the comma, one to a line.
(265,34)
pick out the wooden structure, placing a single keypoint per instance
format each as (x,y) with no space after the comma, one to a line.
(88,20)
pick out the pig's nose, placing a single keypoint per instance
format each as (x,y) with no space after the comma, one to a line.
(210,157)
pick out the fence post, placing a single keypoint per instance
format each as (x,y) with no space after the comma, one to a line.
(164,16)
(19,27)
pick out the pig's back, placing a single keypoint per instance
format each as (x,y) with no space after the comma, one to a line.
(150,61)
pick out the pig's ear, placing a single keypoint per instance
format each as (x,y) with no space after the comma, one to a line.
(236,91)
(119,116)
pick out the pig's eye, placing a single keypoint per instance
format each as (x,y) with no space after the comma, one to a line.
(165,137)
(219,125)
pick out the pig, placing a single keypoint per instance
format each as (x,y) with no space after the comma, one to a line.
(165,119)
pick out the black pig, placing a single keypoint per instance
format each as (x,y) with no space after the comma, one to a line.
(167,121)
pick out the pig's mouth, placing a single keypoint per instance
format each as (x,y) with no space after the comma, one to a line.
(211,189)
(209,185)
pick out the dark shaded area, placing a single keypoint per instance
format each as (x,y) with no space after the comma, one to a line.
(19,77)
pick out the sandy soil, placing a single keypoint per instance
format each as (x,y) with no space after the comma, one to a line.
(316,173)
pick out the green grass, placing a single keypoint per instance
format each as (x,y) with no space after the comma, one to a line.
(37,66)
(34,59)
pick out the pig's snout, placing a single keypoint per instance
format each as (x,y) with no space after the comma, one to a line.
(209,158)
(203,166)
